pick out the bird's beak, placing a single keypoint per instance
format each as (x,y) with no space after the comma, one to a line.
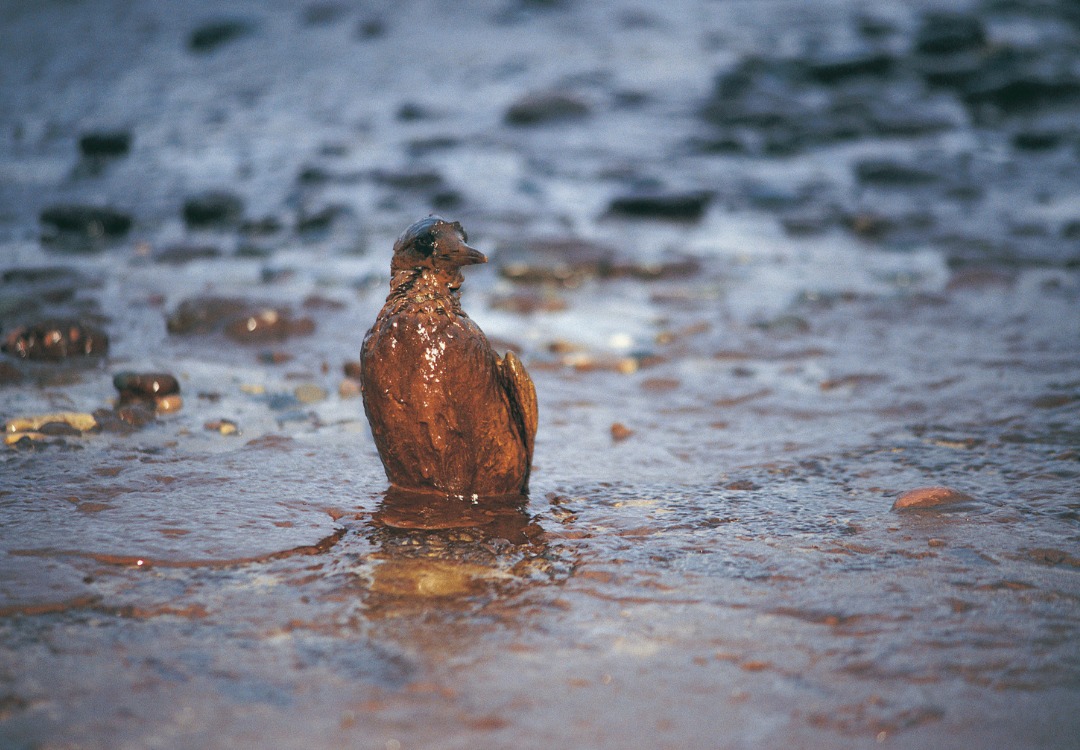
(464,255)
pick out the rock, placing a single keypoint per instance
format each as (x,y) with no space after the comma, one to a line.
(528,303)
(223,426)
(320,221)
(566,261)
(837,67)
(932,497)
(9,374)
(55,340)
(309,393)
(268,324)
(688,206)
(204,314)
(886,172)
(214,34)
(105,144)
(620,432)
(179,254)
(157,388)
(949,33)
(351,369)
(349,388)
(1019,81)
(213,208)
(88,222)
(80,421)
(546,107)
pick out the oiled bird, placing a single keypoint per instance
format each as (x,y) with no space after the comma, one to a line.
(447,413)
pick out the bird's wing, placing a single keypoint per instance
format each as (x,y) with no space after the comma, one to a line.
(522,394)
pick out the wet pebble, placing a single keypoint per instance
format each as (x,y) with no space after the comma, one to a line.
(179,254)
(213,208)
(309,393)
(932,497)
(687,206)
(887,172)
(349,388)
(268,325)
(949,33)
(42,427)
(204,314)
(222,426)
(566,261)
(158,389)
(214,34)
(83,222)
(545,107)
(54,340)
(105,144)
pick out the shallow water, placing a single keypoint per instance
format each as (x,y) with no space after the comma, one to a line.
(722,570)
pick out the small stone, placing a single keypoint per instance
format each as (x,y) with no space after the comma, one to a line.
(352,369)
(545,107)
(223,426)
(213,208)
(309,393)
(204,314)
(566,261)
(211,35)
(54,340)
(349,388)
(105,144)
(86,222)
(268,325)
(169,404)
(179,254)
(9,374)
(688,206)
(931,497)
(79,421)
(620,432)
(886,172)
(147,386)
(949,33)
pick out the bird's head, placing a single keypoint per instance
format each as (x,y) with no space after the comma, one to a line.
(436,244)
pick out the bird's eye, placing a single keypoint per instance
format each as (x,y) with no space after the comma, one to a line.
(425,244)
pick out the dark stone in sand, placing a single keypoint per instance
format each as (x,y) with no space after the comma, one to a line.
(105,143)
(214,34)
(831,69)
(144,386)
(180,254)
(54,340)
(949,33)
(89,222)
(891,173)
(268,325)
(213,208)
(564,261)
(1020,81)
(204,314)
(933,498)
(545,107)
(689,206)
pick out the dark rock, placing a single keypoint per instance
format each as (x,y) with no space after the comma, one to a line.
(214,34)
(412,112)
(689,206)
(54,340)
(1036,140)
(544,107)
(563,261)
(370,28)
(213,208)
(45,285)
(90,222)
(180,254)
(105,144)
(1015,81)
(268,325)
(949,33)
(204,314)
(321,220)
(886,172)
(144,386)
(835,68)
(261,227)
(406,179)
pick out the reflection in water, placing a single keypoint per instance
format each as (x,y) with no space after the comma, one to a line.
(454,548)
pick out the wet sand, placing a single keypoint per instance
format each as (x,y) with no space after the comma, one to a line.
(770,267)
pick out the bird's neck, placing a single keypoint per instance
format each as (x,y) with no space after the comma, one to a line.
(425,288)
